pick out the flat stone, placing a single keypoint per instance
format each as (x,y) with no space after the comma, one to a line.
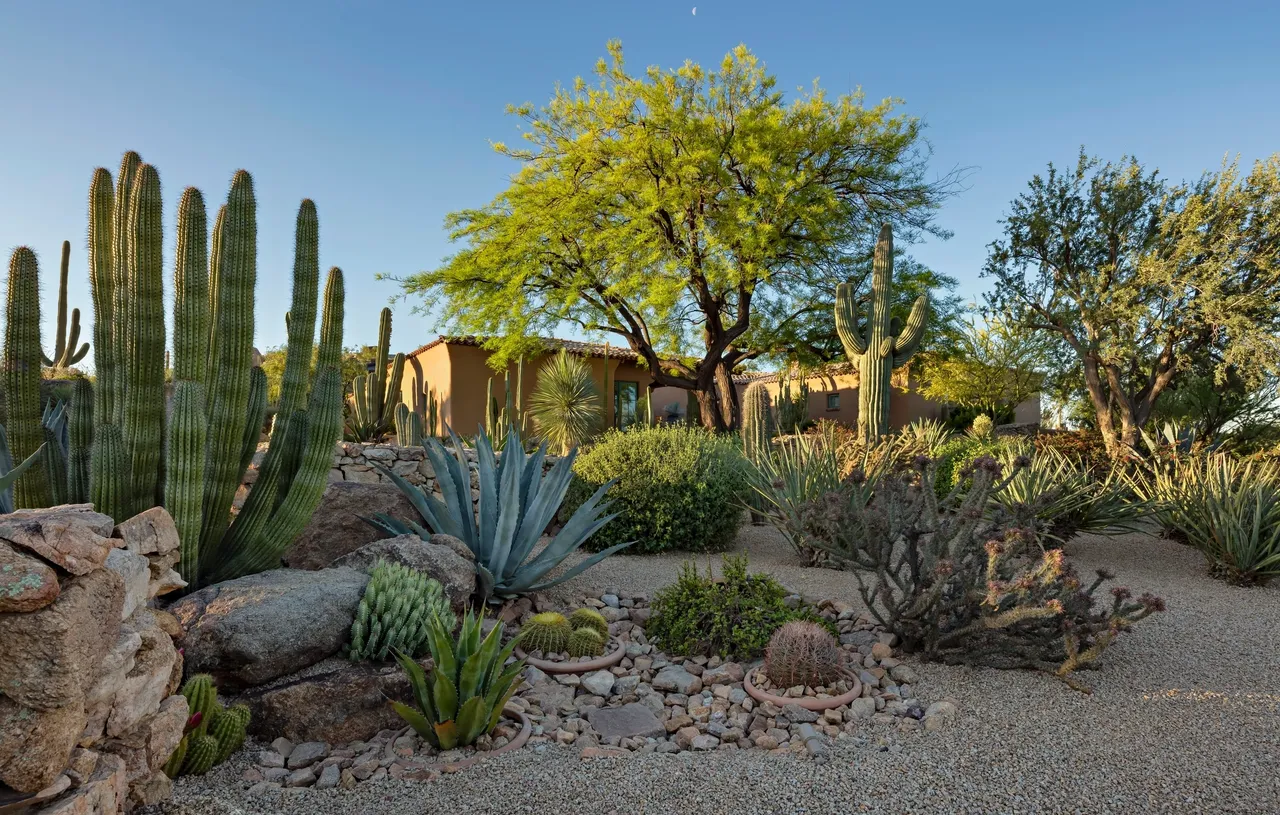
(604,752)
(858,638)
(135,570)
(795,713)
(676,678)
(599,683)
(27,583)
(862,709)
(726,674)
(629,721)
(304,777)
(71,536)
(105,791)
(152,532)
(307,753)
(944,709)
(35,744)
(251,630)
(704,742)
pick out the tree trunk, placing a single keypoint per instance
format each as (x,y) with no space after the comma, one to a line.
(1101,404)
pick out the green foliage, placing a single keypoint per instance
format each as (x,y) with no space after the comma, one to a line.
(517,502)
(467,689)
(992,368)
(21,375)
(982,427)
(374,395)
(396,612)
(803,653)
(677,488)
(1143,280)
(681,158)
(1085,447)
(733,616)
(565,406)
(10,474)
(547,632)
(585,642)
(878,343)
(590,618)
(212,734)
(958,455)
(65,353)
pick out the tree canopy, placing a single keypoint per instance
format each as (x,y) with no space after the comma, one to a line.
(1142,278)
(693,214)
(995,367)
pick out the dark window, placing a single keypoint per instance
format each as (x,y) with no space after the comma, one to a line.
(626,396)
(833,401)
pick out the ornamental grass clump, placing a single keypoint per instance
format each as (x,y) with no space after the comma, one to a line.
(955,583)
(733,616)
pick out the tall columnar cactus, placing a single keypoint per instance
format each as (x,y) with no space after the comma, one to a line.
(882,343)
(65,353)
(500,419)
(80,431)
(143,395)
(21,374)
(758,428)
(374,396)
(792,405)
(408,427)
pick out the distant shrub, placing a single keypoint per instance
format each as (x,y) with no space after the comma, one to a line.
(956,455)
(1084,446)
(734,616)
(677,488)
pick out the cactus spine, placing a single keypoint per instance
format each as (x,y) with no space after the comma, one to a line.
(547,632)
(64,353)
(22,374)
(879,346)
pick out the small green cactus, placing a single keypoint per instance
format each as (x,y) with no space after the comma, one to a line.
(396,612)
(590,618)
(547,632)
(213,732)
(585,642)
(173,766)
(201,755)
(228,728)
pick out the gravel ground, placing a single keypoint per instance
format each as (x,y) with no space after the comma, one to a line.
(1183,718)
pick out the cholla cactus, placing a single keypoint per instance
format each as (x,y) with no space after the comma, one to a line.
(547,632)
(803,653)
(395,613)
(941,574)
(585,642)
(590,618)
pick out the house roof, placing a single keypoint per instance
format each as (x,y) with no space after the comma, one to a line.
(830,369)
(583,349)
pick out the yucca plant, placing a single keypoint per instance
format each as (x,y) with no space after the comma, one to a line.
(469,686)
(516,504)
(1059,497)
(565,406)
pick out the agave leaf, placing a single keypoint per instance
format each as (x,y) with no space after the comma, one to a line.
(488,505)
(508,514)
(501,692)
(484,582)
(462,508)
(447,733)
(532,477)
(579,568)
(472,718)
(417,721)
(387,525)
(441,647)
(428,506)
(445,696)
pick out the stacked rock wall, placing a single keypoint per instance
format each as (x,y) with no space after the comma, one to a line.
(88,673)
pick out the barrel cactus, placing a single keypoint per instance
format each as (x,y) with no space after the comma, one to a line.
(803,653)
(547,632)
(396,613)
(589,618)
(585,642)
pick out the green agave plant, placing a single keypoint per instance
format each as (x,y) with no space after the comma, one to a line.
(469,686)
(516,504)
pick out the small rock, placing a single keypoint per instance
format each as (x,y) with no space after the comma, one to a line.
(329,777)
(599,683)
(676,678)
(795,713)
(704,742)
(262,788)
(304,777)
(306,754)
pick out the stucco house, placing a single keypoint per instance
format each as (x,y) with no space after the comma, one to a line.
(457,371)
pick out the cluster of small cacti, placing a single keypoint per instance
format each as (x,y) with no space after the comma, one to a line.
(792,407)
(499,420)
(396,613)
(213,732)
(408,427)
(803,653)
(374,397)
(582,634)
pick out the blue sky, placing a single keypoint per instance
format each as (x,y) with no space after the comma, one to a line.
(383,113)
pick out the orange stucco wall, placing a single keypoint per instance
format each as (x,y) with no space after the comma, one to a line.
(460,375)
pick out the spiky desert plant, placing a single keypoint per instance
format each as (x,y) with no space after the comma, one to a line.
(374,397)
(881,343)
(585,642)
(517,502)
(396,613)
(21,374)
(10,474)
(589,618)
(228,728)
(758,427)
(65,353)
(212,732)
(982,427)
(501,420)
(565,406)
(57,444)
(803,653)
(408,427)
(547,632)
(792,406)
(80,432)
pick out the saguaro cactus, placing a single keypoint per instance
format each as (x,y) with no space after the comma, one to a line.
(64,351)
(21,374)
(882,343)
(758,426)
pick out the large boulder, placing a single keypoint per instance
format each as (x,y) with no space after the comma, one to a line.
(248,631)
(441,558)
(336,527)
(35,744)
(51,657)
(335,702)
(72,536)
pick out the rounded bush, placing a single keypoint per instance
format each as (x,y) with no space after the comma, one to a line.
(677,488)
(957,454)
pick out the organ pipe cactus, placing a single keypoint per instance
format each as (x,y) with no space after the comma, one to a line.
(517,502)
(21,374)
(80,433)
(65,353)
(374,397)
(408,427)
(881,343)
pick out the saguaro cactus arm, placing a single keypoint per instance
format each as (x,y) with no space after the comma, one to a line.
(64,352)
(847,320)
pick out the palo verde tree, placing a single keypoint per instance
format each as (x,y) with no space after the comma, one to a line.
(1141,278)
(993,366)
(693,213)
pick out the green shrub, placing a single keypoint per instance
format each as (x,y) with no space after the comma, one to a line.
(957,454)
(734,616)
(677,488)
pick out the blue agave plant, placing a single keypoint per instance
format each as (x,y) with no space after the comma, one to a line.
(9,473)
(516,504)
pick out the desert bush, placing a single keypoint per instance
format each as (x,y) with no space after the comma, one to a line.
(953,584)
(1084,446)
(957,455)
(676,488)
(734,616)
